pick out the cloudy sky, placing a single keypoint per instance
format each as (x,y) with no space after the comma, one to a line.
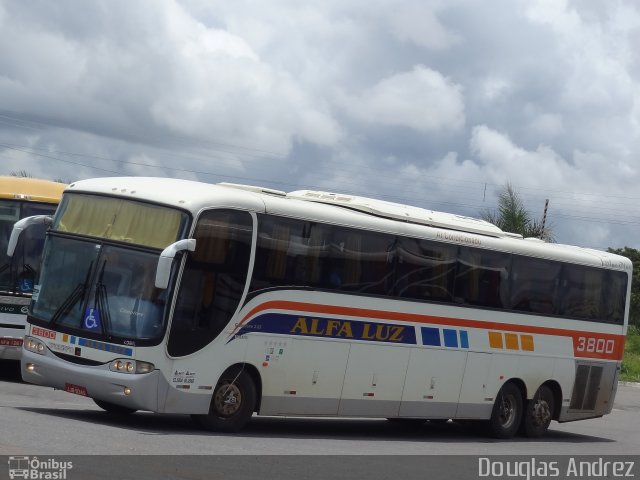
(435,103)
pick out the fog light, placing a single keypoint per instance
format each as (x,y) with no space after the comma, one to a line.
(127,391)
(30,367)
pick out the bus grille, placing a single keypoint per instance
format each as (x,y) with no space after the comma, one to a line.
(78,360)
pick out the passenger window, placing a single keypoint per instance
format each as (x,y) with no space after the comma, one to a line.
(535,285)
(289,253)
(213,280)
(615,292)
(482,278)
(361,261)
(425,270)
(582,292)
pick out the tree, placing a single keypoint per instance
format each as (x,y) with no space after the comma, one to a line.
(21,174)
(512,216)
(633,255)
(25,174)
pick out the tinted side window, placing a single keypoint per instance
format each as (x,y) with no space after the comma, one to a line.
(615,293)
(535,285)
(290,252)
(361,261)
(482,278)
(213,280)
(582,289)
(425,270)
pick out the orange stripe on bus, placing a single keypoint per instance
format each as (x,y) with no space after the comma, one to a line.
(511,341)
(527,343)
(495,340)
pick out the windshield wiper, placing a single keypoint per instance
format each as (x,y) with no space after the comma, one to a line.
(102,303)
(77,295)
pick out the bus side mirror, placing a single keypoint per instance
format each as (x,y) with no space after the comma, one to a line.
(22,225)
(163,270)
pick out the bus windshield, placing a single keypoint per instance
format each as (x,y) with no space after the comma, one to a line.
(104,287)
(119,220)
(102,290)
(18,273)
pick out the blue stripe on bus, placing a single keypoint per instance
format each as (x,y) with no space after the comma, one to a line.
(314,326)
(105,347)
(430,336)
(464,339)
(450,338)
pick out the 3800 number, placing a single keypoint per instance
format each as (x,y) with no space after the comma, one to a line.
(595,345)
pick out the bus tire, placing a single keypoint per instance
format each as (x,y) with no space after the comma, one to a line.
(232,405)
(113,408)
(507,412)
(538,414)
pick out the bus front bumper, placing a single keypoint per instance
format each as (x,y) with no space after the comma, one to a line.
(136,391)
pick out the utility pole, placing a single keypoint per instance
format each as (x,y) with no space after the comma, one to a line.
(544,216)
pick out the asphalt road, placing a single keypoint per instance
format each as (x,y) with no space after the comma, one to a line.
(37,420)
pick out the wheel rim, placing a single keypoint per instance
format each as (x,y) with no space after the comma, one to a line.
(228,399)
(541,413)
(507,413)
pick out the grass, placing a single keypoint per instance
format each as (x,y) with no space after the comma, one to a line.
(631,361)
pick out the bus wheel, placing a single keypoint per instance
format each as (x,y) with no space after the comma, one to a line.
(507,412)
(232,405)
(537,417)
(113,408)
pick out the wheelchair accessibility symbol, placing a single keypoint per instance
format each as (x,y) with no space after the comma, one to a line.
(92,319)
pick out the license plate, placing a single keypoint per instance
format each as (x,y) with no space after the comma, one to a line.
(77,389)
(11,342)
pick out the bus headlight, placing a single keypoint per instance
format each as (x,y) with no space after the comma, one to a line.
(144,367)
(34,345)
(131,366)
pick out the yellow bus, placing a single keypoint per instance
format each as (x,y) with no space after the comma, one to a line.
(20,198)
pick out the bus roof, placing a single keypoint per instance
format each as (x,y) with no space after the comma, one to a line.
(403,213)
(31,189)
(347,210)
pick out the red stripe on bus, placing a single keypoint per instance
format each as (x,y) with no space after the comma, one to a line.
(609,346)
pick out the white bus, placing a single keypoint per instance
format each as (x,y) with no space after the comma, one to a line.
(224,300)
(20,198)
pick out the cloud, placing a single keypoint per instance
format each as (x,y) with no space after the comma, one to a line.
(172,75)
(595,49)
(421,99)
(418,23)
(427,102)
